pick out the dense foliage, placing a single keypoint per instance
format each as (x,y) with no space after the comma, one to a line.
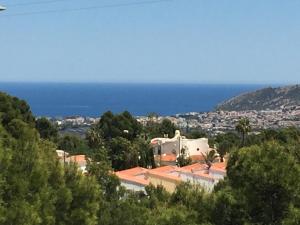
(35,187)
(13,108)
(262,186)
(121,138)
(164,129)
(46,129)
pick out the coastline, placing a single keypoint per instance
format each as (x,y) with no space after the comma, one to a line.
(65,99)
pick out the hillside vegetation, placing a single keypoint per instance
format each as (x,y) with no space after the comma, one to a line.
(264,99)
(262,185)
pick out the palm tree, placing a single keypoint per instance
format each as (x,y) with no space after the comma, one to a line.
(209,158)
(223,148)
(94,138)
(243,127)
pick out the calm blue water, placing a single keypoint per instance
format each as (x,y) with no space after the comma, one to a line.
(49,99)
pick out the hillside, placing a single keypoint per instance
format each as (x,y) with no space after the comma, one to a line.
(263,99)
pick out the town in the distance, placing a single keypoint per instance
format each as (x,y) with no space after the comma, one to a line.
(149,112)
(121,169)
(268,108)
(211,122)
(187,154)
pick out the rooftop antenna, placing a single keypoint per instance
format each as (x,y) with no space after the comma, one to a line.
(2,8)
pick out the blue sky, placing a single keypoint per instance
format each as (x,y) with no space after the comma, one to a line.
(190,41)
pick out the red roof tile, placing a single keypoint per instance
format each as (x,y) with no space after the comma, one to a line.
(166,172)
(194,167)
(136,175)
(166,158)
(197,158)
(77,158)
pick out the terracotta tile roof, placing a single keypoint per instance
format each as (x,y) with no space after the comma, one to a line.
(220,167)
(79,159)
(135,175)
(194,167)
(133,171)
(197,158)
(166,158)
(141,175)
(154,141)
(166,172)
(200,169)
(165,169)
(173,158)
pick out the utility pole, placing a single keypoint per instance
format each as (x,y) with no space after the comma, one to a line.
(2,8)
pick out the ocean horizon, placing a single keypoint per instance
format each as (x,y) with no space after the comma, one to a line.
(93,99)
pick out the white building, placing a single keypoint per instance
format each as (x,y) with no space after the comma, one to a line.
(134,179)
(180,145)
(80,160)
(62,154)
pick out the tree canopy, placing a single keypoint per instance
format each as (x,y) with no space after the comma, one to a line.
(262,186)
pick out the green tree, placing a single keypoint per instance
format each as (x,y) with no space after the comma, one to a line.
(85,197)
(182,160)
(209,158)
(228,207)
(293,216)
(14,108)
(195,134)
(175,215)
(267,178)
(167,127)
(130,211)
(145,153)
(119,125)
(194,198)
(95,138)
(74,145)
(100,167)
(243,127)
(123,154)
(155,129)
(46,129)
(34,188)
(223,148)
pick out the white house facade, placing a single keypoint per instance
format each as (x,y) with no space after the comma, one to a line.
(180,145)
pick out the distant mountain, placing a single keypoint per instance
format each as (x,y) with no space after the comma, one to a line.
(263,99)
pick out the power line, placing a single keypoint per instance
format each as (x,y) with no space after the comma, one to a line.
(118,5)
(35,3)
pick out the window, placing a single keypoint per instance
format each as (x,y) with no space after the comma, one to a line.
(159,150)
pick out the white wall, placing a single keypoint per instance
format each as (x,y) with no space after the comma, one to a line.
(169,147)
(192,146)
(216,174)
(195,146)
(132,186)
(194,179)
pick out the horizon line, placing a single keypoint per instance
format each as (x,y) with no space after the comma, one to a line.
(149,83)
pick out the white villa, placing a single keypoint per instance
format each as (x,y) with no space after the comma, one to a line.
(170,148)
(136,179)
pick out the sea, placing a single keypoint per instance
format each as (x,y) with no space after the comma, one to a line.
(93,99)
